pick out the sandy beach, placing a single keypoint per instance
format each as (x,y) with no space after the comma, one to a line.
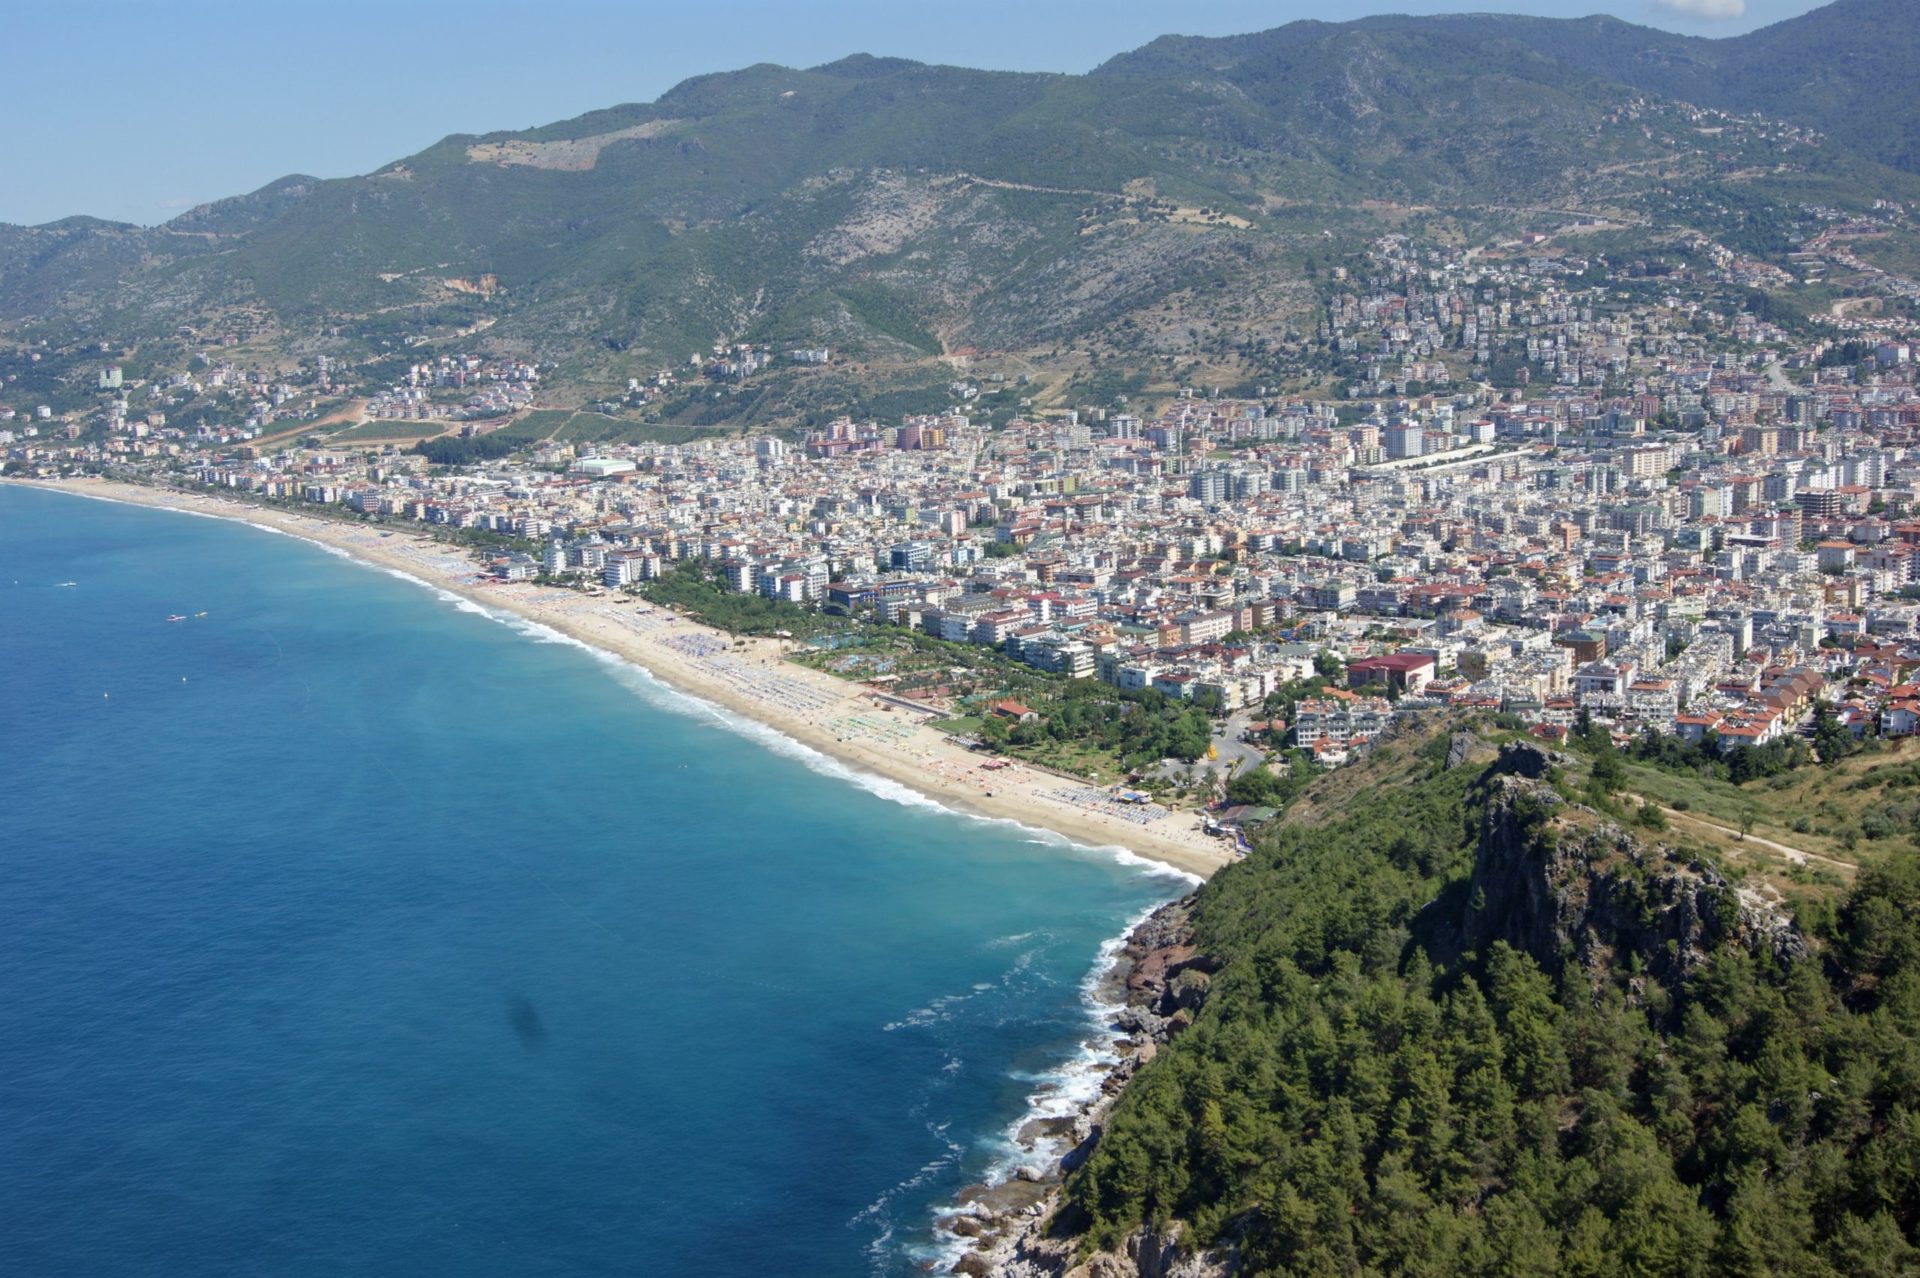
(748,677)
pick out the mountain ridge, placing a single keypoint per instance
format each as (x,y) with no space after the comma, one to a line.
(902,211)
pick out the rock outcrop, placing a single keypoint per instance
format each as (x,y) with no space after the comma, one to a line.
(1460,748)
(1565,885)
(1525,759)
(1552,878)
(1146,1253)
(1160,980)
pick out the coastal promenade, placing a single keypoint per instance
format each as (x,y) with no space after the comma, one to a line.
(747,677)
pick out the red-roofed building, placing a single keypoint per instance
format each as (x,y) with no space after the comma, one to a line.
(1408,671)
(1900,718)
(1693,728)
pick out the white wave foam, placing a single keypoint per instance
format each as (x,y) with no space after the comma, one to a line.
(880,1211)
(665,695)
(941,1009)
(1070,1087)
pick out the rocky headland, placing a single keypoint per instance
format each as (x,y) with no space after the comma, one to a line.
(1554,878)
(1156,982)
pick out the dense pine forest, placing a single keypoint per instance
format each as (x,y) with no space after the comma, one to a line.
(1462,1025)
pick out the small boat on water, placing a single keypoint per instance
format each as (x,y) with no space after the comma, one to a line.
(199,614)
(178,616)
(69,583)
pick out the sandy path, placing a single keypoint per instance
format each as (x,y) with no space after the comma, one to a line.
(836,718)
(1795,856)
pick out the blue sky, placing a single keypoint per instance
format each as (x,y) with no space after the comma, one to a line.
(136,109)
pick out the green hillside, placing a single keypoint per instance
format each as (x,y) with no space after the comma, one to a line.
(1846,69)
(1459,1023)
(899,212)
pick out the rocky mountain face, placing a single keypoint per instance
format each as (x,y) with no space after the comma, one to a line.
(1568,887)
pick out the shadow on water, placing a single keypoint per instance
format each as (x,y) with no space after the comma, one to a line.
(524,1017)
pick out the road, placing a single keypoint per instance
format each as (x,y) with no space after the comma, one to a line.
(1236,755)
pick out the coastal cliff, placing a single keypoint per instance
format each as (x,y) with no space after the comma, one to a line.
(1437,1002)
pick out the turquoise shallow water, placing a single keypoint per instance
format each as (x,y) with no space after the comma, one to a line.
(355,932)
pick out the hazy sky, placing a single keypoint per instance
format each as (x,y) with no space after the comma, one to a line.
(138,109)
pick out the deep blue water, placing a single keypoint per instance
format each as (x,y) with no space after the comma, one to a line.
(354,933)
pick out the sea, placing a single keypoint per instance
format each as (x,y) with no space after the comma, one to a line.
(347,927)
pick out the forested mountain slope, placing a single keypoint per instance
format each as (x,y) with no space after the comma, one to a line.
(899,212)
(1460,1023)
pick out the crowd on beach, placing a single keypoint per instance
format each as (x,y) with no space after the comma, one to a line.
(642,619)
(1089,799)
(428,560)
(873,729)
(699,647)
(805,700)
(767,687)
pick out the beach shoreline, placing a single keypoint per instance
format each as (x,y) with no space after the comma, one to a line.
(745,677)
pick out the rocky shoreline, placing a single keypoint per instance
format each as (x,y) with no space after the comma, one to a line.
(1157,981)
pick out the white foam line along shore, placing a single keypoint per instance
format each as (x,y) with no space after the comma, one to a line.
(1061,1092)
(744,685)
